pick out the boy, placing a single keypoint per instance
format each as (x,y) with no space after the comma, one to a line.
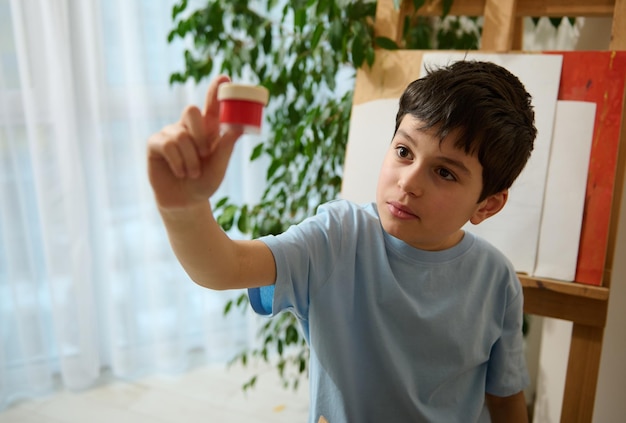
(409,318)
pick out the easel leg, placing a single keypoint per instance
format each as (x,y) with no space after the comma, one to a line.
(582,374)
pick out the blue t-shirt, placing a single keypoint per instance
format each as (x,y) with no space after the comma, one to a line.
(397,334)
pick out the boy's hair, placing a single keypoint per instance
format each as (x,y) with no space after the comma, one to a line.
(489,110)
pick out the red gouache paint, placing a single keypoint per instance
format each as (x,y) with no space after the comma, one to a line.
(242,106)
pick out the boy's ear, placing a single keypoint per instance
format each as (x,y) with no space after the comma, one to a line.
(489,206)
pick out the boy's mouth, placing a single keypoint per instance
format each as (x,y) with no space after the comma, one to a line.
(400,211)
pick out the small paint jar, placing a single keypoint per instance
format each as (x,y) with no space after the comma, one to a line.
(242,106)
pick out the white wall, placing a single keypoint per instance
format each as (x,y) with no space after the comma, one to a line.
(611,393)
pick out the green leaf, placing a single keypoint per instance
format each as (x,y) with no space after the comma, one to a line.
(417,4)
(335,35)
(556,22)
(267,40)
(321,8)
(228,306)
(397,4)
(317,35)
(221,203)
(256,152)
(386,43)
(250,384)
(178,8)
(243,298)
(225,220)
(274,166)
(243,221)
(291,335)
(358,54)
(447,5)
(176,77)
(300,19)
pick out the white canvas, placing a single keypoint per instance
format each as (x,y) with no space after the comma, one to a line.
(371,130)
(563,208)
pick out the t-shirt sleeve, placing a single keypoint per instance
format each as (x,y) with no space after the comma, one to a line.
(261,299)
(507,373)
(304,257)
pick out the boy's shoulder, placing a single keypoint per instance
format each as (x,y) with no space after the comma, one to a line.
(491,251)
(487,247)
(493,261)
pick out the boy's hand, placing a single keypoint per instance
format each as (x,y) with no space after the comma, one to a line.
(187,160)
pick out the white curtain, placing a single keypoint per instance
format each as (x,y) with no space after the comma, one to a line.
(87,279)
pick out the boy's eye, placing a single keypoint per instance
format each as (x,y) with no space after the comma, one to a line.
(446,174)
(403,152)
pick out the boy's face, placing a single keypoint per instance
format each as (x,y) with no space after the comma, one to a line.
(427,189)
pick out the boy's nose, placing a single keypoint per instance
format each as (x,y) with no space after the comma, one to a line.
(411,181)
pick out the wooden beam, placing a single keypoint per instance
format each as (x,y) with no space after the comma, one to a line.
(568,288)
(618,31)
(556,8)
(582,374)
(498,26)
(618,42)
(518,35)
(550,8)
(575,302)
(390,21)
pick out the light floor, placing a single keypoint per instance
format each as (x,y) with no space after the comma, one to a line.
(207,394)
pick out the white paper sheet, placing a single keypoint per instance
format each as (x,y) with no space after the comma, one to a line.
(515,230)
(563,208)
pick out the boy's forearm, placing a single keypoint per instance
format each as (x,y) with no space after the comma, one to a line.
(510,409)
(206,253)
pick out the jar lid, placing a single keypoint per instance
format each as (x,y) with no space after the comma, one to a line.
(231,91)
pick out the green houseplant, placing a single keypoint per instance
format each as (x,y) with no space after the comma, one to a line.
(299,50)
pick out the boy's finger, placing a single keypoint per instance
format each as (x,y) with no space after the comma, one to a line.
(174,144)
(173,157)
(191,160)
(192,120)
(211,105)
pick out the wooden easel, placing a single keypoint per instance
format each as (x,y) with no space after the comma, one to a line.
(584,305)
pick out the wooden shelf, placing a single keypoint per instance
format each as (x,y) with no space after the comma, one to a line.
(579,303)
(573,289)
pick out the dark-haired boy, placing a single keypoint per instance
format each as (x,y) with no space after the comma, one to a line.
(409,318)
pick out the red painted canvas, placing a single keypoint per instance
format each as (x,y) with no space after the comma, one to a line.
(596,76)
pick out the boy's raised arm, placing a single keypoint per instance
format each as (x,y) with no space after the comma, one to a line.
(187,161)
